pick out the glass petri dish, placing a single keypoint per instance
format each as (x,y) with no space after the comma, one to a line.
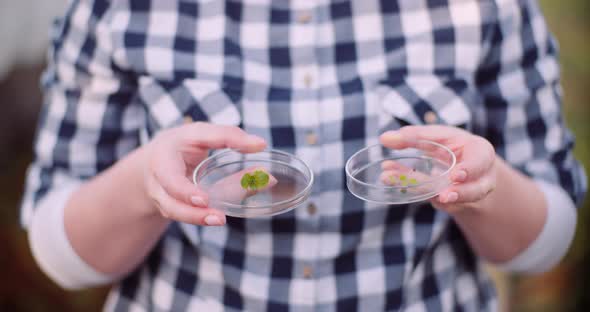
(417,172)
(221,176)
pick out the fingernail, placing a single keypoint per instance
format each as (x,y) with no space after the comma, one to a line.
(460,176)
(451,197)
(198,201)
(213,220)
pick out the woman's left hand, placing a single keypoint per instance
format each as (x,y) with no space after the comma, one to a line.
(474,175)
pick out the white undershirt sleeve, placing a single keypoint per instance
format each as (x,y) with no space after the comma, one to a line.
(555,238)
(53,252)
(51,247)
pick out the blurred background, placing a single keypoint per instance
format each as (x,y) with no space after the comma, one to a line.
(23,40)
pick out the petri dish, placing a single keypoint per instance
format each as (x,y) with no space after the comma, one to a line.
(418,171)
(222,177)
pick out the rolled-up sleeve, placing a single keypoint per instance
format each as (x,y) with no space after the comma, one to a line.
(520,84)
(89,120)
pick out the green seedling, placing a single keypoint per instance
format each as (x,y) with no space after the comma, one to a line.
(404,181)
(255,180)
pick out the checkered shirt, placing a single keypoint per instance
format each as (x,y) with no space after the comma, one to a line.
(320,79)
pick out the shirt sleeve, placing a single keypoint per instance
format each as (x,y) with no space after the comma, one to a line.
(89,120)
(549,247)
(520,84)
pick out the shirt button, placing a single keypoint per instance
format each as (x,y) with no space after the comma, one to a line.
(188,119)
(430,117)
(304,18)
(307,80)
(307,272)
(312,209)
(311,138)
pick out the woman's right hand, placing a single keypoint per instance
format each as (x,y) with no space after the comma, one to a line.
(169,160)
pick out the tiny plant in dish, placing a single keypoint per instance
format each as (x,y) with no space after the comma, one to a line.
(404,181)
(255,180)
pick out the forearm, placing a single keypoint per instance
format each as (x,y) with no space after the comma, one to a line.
(508,220)
(110,221)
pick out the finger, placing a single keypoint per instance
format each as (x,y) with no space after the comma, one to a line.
(478,157)
(394,140)
(394,165)
(467,192)
(396,171)
(229,189)
(387,177)
(422,173)
(398,140)
(408,135)
(436,133)
(477,154)
(192,160)
(170,172)
(176,210)
(210,136)
(448,208)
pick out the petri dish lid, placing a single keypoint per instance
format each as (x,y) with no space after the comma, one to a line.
(253,185)
(417,172)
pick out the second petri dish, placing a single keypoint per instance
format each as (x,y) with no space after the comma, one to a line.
(254,185)
(417,172)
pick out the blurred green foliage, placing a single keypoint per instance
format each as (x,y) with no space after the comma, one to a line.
(24,288)
(566,288)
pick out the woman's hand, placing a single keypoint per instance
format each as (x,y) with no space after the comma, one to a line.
(474,175)
(170,159)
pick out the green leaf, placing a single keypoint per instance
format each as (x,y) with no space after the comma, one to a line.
(246,179)
(413,181)
(261,179)
(392,179)
(402,177)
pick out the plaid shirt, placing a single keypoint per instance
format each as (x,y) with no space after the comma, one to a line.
(320,79)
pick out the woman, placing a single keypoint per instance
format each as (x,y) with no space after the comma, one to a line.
(138,92)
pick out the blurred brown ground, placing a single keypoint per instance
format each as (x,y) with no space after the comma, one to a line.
(24,288)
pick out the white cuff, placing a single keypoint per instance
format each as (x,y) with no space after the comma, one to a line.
(555,238)
(50,245)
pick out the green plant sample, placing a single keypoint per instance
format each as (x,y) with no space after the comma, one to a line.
(255,180)
(404,181)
